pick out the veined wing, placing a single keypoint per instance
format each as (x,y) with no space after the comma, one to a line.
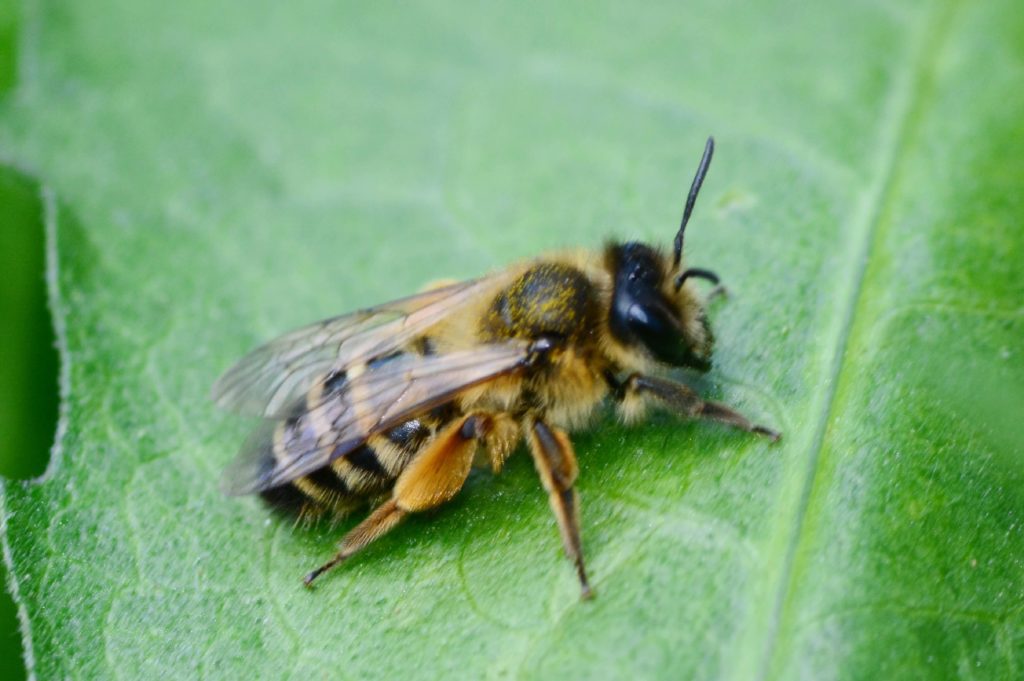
(381,397)
(269,379)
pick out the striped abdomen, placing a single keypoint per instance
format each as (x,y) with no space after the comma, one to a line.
(355,477)
(362,474)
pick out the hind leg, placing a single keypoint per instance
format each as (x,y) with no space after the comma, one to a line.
(433,477)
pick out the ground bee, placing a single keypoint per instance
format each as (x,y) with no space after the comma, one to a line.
(391,404)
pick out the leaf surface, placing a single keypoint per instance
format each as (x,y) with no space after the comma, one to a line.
(216,173)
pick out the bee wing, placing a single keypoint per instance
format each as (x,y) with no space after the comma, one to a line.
(270,378)
(383,396)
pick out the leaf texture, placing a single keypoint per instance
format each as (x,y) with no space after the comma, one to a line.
(216,173)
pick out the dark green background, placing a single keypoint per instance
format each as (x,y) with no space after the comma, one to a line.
(28,372)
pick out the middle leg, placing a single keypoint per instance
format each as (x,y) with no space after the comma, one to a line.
(556,464)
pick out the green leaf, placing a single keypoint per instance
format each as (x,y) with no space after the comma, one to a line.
(215,173)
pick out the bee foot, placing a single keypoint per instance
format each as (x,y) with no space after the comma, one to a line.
(307,581)
(772,435)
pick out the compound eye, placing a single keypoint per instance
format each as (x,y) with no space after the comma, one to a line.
(655,327)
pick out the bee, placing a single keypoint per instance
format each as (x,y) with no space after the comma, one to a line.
(390,405)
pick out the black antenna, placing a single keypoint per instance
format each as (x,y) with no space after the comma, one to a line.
(698,180)
(698,272)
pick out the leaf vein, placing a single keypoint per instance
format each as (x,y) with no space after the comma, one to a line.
(907,102)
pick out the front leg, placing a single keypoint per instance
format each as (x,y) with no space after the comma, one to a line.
(556,464)
(639,389)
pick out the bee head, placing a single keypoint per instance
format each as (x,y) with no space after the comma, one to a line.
(652,308)
(650,313)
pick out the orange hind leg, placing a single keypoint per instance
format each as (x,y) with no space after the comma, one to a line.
(433,477)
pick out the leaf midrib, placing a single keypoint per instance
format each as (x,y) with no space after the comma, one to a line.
(907,103)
